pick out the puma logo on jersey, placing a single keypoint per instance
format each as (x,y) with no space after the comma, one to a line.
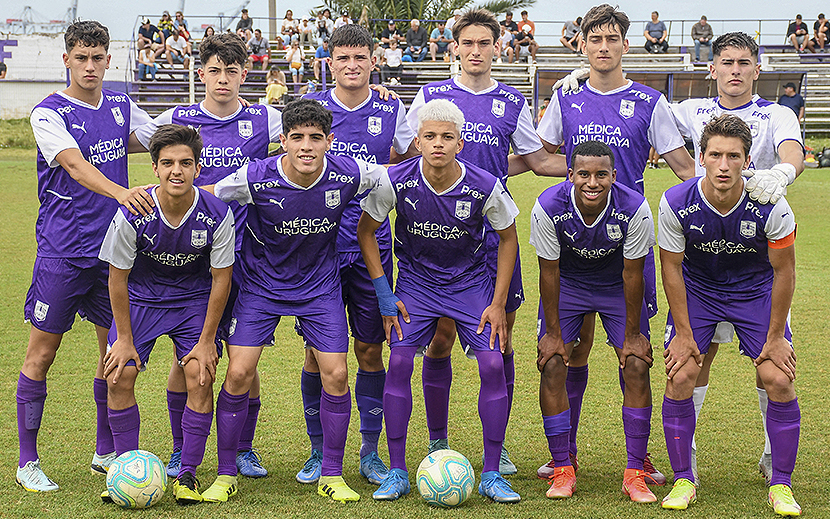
(578,106)
(572,235)
(79,126)
(150,239)
(695,227)
(277,202)
(410,202)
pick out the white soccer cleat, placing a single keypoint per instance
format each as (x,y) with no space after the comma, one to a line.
(32,478)
(101,463)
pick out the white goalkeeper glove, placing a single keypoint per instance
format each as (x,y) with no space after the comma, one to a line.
(570,83)
(769,185)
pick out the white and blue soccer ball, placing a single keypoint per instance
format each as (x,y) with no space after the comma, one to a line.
(445,478)
(136,479)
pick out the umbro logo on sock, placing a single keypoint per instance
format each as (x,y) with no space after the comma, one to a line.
(376,411)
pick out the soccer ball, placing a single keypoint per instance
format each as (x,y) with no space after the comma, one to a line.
(136,479)
(445,478)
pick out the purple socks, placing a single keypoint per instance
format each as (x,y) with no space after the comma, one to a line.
(176,402)
(783,426)
(637,427)
(335,412)
(436,377)
(31,395)
(231,413)
(557,429)
(196,428)
(125,425)
(311,388)
(492,405)
(397,400)
(575,384)
(679,428)
(510,379)
(246,439)
(103,434)
(368,393)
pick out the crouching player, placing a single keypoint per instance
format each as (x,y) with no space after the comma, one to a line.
(170,274)
(441,203)
(592,236)
(727,258)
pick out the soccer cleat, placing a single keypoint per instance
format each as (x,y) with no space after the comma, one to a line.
(310,472)
(100,464)
(546,471)
(653,476)
(765,466)
(437,445)
(221,489)
(105,497)
(373,468)
(249,464)
(506,467)
(32,478)
(782,501)
(394,486)
(185,489)
(175,464)
(634,486)
(494,486)
(562,483)
(682,494)
(694,467)
(337,489)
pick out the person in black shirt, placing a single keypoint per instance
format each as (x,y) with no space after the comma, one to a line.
(509,24)
(245,22)
(798,35)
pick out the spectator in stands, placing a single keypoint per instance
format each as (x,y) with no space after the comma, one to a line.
(177,50)
(524,43)
(509,24)
(245,21)
(793,100)
(322,28)
(524,21)
(3,70)
(439,41)
(320,56)
(392,64)
(541,113)
(506,40)
(306,32)
(343,20)
(288,28)
(147,33)
(259,51)
(209,31)
(295,56)
(377,55)
(572,34)
(166,24)
(456,15)
(391,32)
(146,63)
(275,86)
(702,35)
(180,25)
(799,36)
(329,21)
(656,35)
(820,28)
(416,42)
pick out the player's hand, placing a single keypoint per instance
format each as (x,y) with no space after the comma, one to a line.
(549,346)
(137,200)
(680,350)
(781,353)
(204,353)
(391,321)
(117,357)
(769,185)
(244,102)
(494,314)
(570,83)
(384,92)
(638,346)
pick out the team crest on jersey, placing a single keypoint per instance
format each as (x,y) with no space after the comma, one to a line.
(462,209)
(614,231)
(747,229)
(498,108)
(119,117)
(626,108)
(375,126)
(198,238)
(754,128)
(246,129)
(41,309)
(332,198)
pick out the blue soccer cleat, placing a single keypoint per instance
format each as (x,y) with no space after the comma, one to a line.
(394,486)
(310,472)
(494,486)
(249,464)
(437,445)
(373,468)
(175,464)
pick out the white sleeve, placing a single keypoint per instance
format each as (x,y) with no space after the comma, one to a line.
(682,120)
(404,135)
(550,127)
(138,117)
(640,238)
(786,126)
(662,132)
(525,140)
(781,220)
(274,123)
(119,245)
(381,200)
(234,187)
(369,175)
(224,241)
(145,131)
(543,234)
(669,230)
(499,208)
(412,114)
(51,134)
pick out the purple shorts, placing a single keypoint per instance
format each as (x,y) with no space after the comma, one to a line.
(574,303)
(62,287)
(359,296)
(323,321)
(650,285)
(750,317)
(223,332)
(516,293)
(182,325)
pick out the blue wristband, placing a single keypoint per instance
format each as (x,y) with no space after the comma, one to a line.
(386,299)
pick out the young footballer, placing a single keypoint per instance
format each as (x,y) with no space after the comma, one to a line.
(725,257)
(441,204)
(170,274)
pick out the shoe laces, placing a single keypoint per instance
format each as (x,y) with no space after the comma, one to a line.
(375,464)
(648,467)
(498,484)
(637,481)
(505,456)
(188,480)
(393,481)
(315,458)
(559,474)
(253,456)
(35,472)
(176,456)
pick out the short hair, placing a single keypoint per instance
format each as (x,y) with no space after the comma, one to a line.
(703,17)
(244,11)
(578,20)
(351,35)
(442,110)
(820,16)
(592,149)
(605,14)
(305,112)
(87,33)
(172,135)
(798,17)
(727,125)
(257,31)
(227,47)
(415,21)
(481,17)
(655,12)
(739,40)
(508,13)
(523,13)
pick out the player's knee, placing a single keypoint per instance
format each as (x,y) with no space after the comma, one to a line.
(369,356)
(778,385)
(684,381)
(238,380)
(554,370)
(636,369)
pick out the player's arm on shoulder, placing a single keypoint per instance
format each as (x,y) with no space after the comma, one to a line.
(384,92)
(665,136)
(681,163)
(233,187)
(769,185)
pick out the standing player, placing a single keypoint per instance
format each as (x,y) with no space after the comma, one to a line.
(365,127)
(82,135)
(727,258)
(170,274)
(232,136)
(592,236)
(441,205)
(290,266)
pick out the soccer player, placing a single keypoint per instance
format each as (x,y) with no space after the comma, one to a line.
(441,205)
(232,136)
(630,118)
(592,236)
(725,257)
(497,118)
(290,266)
(170,274)
(82,135)
(365,127)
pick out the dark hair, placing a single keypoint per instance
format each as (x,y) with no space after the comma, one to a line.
(578,20)
(227,47)
(605,14)
(655,12)
(523,13)
(173,135)
(727,126)
(739,40)
(87,33)
(351,35)
(211,29)
(592,149)
(481,17)
(305,112)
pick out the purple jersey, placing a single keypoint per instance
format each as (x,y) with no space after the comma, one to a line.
(170,265)
(289,253)
(366,132)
